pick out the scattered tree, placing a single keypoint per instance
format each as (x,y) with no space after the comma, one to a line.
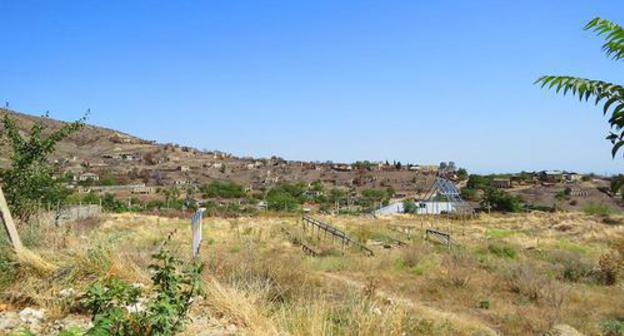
(32,179)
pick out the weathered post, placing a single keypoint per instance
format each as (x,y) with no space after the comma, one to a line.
(196,229)
(9,225)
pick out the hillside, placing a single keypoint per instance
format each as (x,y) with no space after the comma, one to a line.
(133,160)
(126,159)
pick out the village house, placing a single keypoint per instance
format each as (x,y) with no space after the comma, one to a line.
(88,177)
(572,177)
(342,168)
(551,176)
(184,168)
(111,156)
(143,190)
(501,183)
(129,156)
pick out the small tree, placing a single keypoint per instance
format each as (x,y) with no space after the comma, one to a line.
(31,179)
(409,206)
(498,200)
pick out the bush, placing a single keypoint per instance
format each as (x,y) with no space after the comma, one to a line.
(502,250)
(115,306)
(373,196)
(597,209)
(613,327)
(470,194)
(479,182)
(572,267)
(223,189)
(281,201)
(409,207)
(609,267)
(523,279)
(459,269)
(499,200)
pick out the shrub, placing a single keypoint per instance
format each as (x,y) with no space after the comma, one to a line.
(223,189)
(459,269)
(499,200)
(409,207)
(413,254)
(523,279)
(573,267)
(597,209)
(608,268)
(115,306)
(613,327)
(502,250)
(470,194)
(485,304)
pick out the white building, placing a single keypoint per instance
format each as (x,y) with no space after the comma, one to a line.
(422,208)
(88,177)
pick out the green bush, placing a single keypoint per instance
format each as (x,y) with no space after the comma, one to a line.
(597,209)
(164,313)
(502,250)
(499,200)
(470,194)
(223,189)
(613,327)
(409,207)
(281,201)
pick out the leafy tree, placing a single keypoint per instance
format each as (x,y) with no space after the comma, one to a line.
(280,200)
(362,164)
(609,95)
(469,194)
(32,179)
(478,182)
(317,186)
(499,200)
(110,203)
(462,174)
(616,183)
(371,197)
(409,206)
(223,189)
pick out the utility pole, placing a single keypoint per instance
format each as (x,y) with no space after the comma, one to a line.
(9,225)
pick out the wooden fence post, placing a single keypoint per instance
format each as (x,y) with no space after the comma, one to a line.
(9,225)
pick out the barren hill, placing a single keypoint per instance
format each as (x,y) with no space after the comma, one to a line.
(133,160)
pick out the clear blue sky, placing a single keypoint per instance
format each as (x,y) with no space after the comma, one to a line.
(415,81)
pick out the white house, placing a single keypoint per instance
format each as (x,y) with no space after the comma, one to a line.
(88,177)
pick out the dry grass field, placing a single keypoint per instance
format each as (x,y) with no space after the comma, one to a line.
(506,274)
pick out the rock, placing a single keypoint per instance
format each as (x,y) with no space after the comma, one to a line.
(73,322)
(231,327)
(137,307)
(138,285)
(31,315)
(67,292)
(8,321)
(564,330)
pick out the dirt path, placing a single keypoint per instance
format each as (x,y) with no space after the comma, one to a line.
(462,321)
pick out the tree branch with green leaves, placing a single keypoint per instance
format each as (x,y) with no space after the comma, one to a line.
(609,95)
(31,178)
